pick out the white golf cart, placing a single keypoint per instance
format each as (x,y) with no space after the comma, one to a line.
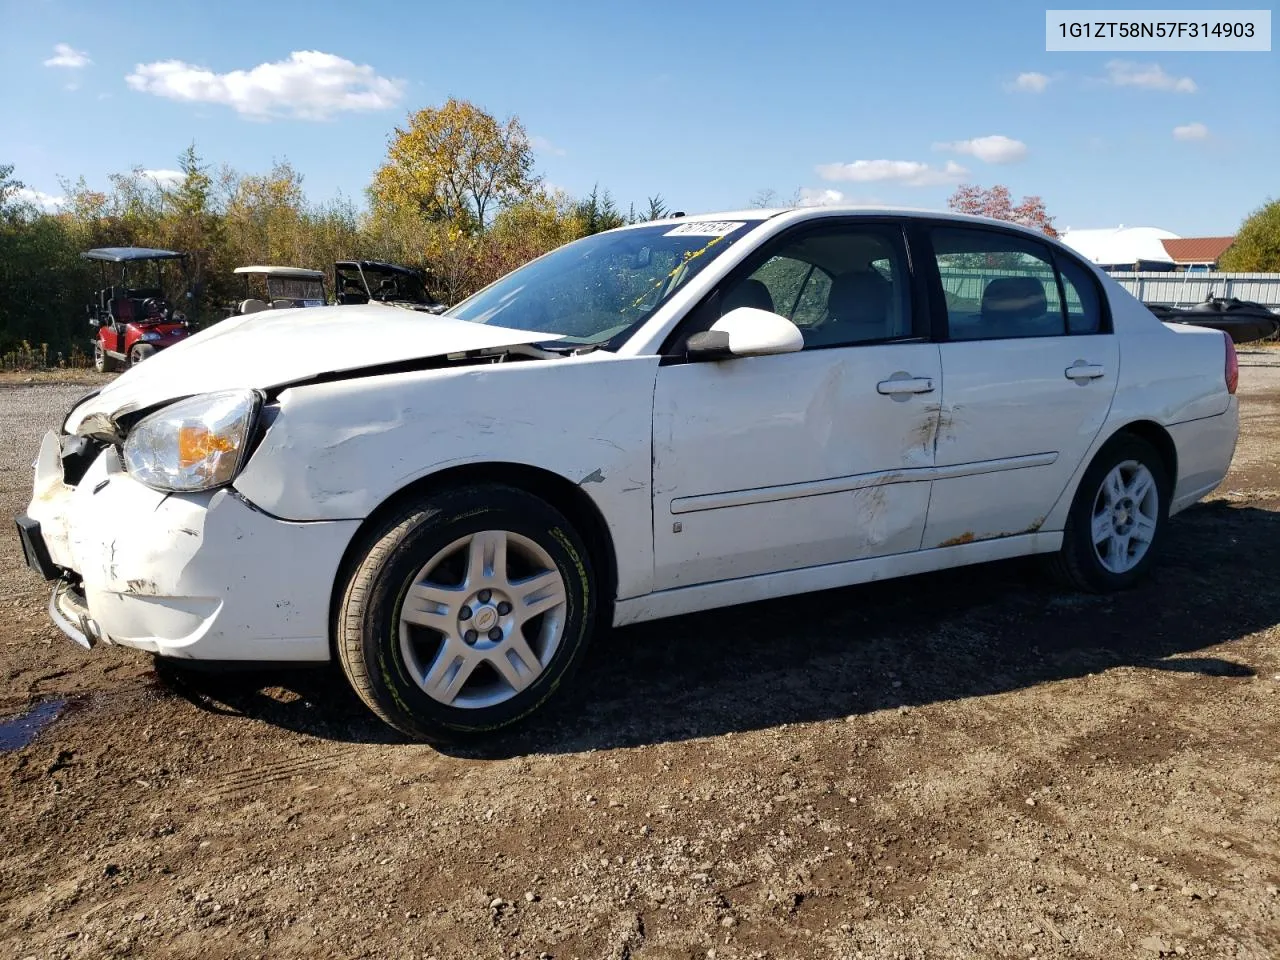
(285,288)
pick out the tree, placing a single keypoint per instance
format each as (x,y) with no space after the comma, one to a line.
(9,189)
(764,198)
(598,212)
(1257,245)
(657,208)
(998,204)
(456,164)
(194,225)
(526,230)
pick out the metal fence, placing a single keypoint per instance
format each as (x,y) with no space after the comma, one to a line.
(1183,289)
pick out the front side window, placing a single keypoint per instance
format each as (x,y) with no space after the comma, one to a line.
(840,284)
(596,289)
(997,285)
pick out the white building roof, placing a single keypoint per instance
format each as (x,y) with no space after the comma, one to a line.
(1120,245)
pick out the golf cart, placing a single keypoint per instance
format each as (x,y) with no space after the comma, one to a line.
(131,315)
(376,281)
(285,287)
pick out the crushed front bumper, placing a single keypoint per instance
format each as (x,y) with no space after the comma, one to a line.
(204,576)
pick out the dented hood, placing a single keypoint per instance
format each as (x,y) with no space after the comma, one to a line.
(275,347)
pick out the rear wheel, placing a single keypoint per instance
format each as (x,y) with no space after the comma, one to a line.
(1117,519)
(466,612)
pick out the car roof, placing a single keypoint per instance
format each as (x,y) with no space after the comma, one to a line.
(376,265)
(818,212)
(126,254)
(297,273)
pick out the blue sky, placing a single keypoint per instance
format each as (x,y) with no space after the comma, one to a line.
(705,103)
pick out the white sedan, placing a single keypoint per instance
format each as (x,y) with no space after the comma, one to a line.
(668,417)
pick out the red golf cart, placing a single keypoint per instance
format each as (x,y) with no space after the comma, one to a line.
(131,315)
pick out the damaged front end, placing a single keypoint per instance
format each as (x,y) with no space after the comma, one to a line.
(134,523)
(61,464)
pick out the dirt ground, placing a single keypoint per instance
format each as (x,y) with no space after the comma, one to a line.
(967,764)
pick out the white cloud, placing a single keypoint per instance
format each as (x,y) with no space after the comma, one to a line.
(543,145)
(819,197)
(1191,131)
(310,85)
(1030,82)
(65,55)
(912,173)
(993,149)
(38,198)
(1147,76)
(165,178)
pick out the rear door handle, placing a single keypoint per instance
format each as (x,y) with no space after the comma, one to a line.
(899,385)
(1084,371)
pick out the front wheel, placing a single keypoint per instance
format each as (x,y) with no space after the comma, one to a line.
(102,362)
(466,612)
(140,352)
(1117,519)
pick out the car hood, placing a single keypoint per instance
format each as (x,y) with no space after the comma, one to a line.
(275,347)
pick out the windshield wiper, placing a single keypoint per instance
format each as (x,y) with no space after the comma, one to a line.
(566,349)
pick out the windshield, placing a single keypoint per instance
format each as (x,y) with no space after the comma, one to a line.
(596,288)
(393,285)
(388,286)
(308,292)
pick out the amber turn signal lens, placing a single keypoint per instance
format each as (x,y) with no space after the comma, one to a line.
(196,444)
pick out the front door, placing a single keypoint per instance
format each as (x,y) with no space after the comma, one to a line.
(765,464)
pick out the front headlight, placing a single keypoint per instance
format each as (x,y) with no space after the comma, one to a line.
(194,444)
(150,335)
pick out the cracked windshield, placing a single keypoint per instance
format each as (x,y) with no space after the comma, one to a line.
(594,289)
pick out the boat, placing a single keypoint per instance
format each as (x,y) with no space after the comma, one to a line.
(1244,321)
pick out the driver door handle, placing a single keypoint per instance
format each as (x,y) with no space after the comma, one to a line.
(1084,371)
(906,385)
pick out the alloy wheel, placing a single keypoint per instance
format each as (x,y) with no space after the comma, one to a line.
(482,619)
(1126,511)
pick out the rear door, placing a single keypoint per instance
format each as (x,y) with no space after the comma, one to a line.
(1029,368)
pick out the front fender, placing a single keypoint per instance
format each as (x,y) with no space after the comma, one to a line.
(338,450)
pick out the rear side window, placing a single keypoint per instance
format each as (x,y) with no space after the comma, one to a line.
(1084,312)
(997,285)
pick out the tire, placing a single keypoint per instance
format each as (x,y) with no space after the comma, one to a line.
(101,361)
(416,586)
(140,352)
(1115,563)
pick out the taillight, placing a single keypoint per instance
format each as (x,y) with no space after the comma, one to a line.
(1232,372)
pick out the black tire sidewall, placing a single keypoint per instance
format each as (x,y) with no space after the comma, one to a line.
(440,522)
(1079,531)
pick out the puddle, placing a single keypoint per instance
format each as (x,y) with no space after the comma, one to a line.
(18,731)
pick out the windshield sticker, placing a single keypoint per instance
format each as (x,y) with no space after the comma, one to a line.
(706,228)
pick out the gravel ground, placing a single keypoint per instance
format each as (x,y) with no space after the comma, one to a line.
(965,764)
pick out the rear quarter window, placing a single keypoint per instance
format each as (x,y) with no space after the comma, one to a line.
(1083,301)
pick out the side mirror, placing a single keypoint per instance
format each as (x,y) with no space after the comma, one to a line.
(746,332)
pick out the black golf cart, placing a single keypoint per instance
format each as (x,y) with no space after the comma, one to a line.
(376,281)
